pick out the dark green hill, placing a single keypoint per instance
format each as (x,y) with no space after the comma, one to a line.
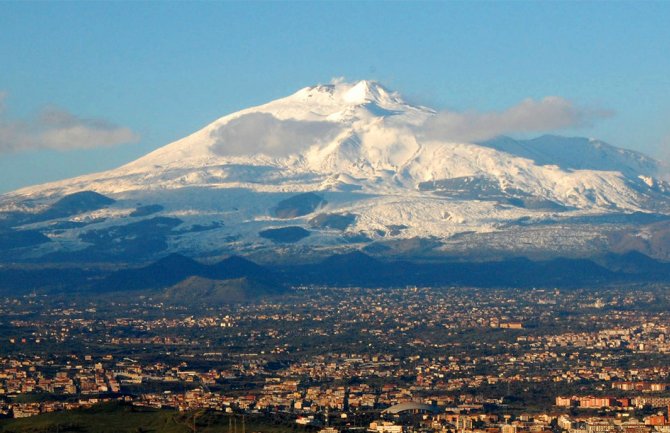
(199,290)
(176,268)
(123,418)
(163,273)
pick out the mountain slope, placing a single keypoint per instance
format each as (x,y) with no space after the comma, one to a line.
(174,269)
(339,167)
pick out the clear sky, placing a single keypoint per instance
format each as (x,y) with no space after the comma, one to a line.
(148,73)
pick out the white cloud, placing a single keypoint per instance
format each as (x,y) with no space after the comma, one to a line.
(549,114)
(263,133)
(56,128)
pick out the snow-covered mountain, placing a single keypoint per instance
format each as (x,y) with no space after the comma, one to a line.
(334,167)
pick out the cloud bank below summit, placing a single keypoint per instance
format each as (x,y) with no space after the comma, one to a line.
(263,133)
(548,114)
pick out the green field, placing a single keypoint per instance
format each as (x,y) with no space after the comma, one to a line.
(123,418)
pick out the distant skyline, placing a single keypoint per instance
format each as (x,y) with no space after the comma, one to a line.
(88,86)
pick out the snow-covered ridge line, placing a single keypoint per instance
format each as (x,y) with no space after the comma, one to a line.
(359,147)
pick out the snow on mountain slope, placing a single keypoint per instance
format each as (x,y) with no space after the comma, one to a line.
(358,147)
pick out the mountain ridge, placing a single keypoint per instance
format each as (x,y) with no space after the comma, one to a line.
(338,167)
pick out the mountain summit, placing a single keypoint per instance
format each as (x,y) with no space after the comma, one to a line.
(361,92)
(336,167)
(305,126)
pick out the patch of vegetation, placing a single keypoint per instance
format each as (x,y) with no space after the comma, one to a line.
(124,418)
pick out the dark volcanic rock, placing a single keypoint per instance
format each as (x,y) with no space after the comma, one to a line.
(66,206)
(74,204)
(536,203)
(356,238)
(299,205)
(135,240)
(404,247)
(332,221)
(285,235)
(196,228)
(146,210)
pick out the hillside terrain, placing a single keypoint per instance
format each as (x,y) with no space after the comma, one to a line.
(344,167)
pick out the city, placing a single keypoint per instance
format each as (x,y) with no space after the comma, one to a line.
(330,216)
(343,358)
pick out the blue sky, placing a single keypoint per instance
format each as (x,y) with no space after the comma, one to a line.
(151,72)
